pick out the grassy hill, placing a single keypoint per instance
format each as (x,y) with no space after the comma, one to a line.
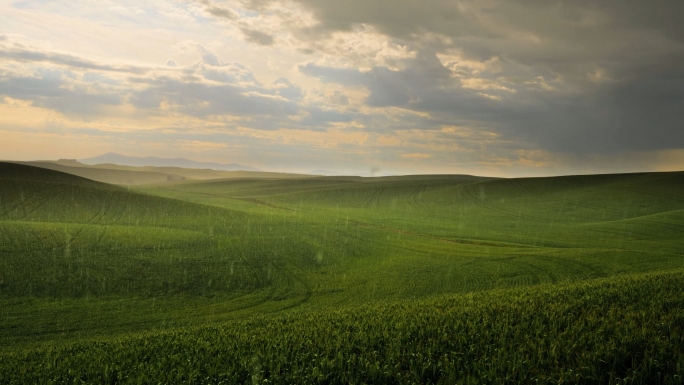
(131,175)
(109,268)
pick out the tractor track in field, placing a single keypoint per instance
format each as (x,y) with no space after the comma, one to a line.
(97,216)
(338,196)
(419,235)
(19,194)
(293,279)
(373,197)
(277,293)
(415,198)
(52,195)
(52,238)
(556,269)
(124,206)
(101,236)
(539,271)
(26,203)
(568,264)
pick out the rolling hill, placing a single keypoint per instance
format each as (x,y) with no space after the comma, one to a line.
(118,273)
(138,175)
(123,160)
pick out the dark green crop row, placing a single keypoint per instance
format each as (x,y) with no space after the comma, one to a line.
(610,331)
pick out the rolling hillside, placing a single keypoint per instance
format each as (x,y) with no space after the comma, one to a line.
(139,175)
(113,158)
(85,261)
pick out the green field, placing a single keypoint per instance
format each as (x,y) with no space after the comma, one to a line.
(412,279)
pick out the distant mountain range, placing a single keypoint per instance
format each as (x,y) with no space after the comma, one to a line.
(124,160)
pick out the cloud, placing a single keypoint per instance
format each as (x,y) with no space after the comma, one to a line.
(487,81)
(639,114)
(200,99)
(258,37)
(288,90)
(564,76)
(209,87)
(218,11)
(423,85)
(58,90)
(250,31)
(339,98)
(212,87)
(26,55)
(401,19)
(416,155)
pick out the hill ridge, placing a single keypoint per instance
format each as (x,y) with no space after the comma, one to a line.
(124,160)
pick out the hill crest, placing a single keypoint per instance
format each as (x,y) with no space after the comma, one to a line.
(124,160)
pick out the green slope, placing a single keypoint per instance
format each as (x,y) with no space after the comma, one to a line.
(84,260)
(610,331)
(65,241)
(112,175)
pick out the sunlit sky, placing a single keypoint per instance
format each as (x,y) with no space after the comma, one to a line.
(501,88)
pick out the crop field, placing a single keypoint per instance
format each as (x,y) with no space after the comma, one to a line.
(411,279)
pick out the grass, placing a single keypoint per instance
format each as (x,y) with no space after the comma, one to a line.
(90,270)
(616,330)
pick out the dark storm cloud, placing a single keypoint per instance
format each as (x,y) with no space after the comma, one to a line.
(644,113)
(424,86)
(496,20)
(616,67)
(578,77)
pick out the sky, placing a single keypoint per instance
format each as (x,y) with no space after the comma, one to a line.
(486,87)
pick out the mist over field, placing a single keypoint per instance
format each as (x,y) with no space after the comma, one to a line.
(325,192)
